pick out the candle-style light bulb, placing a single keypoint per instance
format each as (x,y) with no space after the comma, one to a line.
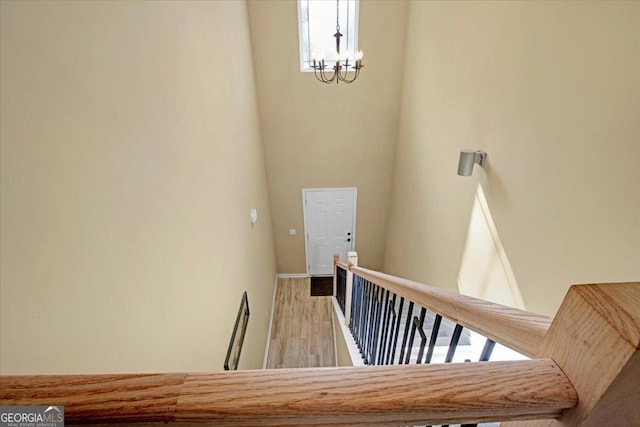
(359,59)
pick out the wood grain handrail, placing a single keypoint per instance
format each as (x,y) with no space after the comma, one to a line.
(378,395)
(520,330)
(595,340)
(342,265)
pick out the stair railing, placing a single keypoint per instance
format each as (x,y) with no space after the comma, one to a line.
(594,338)
(584,369)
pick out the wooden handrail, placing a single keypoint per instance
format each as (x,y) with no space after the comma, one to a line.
(342,265)
(595,339)
(517,329)
(380,395)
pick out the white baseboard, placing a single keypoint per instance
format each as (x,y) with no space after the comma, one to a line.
(273,307)
(292,276)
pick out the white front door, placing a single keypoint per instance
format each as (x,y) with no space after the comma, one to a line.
(330,225)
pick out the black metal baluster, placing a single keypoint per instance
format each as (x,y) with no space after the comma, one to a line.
(354,293)
(378,329)
(365,308)
(392,329)
(487,350)
(363,324)
(385,328)
(365,317)
(355,308)
(414,325)
(407,325)
(397,331)
(372,323)
(372,315)
(354,299)
(434,338)
(377,342)
(457,331)
(380,325)
(356,304)
(423,336)
(365,320)
(363,314)
(372,306)
(355,315)
(412,334)
(341,287)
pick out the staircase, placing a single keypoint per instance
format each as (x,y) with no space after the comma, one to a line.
(584,369)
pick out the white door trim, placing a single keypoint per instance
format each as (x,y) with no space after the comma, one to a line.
(304,217)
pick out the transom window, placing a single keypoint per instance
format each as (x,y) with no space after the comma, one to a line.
(317,25)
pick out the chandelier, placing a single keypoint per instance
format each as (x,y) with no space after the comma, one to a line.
(339,70)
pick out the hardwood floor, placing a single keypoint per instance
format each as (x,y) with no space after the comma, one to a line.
(302,329)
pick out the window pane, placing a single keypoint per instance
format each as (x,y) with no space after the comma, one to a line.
(317,25)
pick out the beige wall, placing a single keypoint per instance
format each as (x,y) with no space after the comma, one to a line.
(551,92)
(131,157)
(320,136)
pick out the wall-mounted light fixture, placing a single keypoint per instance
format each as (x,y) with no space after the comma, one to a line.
(468,158)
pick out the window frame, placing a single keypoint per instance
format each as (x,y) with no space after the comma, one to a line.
(329,62)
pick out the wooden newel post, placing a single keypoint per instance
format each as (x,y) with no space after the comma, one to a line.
(352,260)
(595,340)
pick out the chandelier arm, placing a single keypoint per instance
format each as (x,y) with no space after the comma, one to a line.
(319,76)
(343,74)
(355,76)
(346,71)
(323,75)
(325,79)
